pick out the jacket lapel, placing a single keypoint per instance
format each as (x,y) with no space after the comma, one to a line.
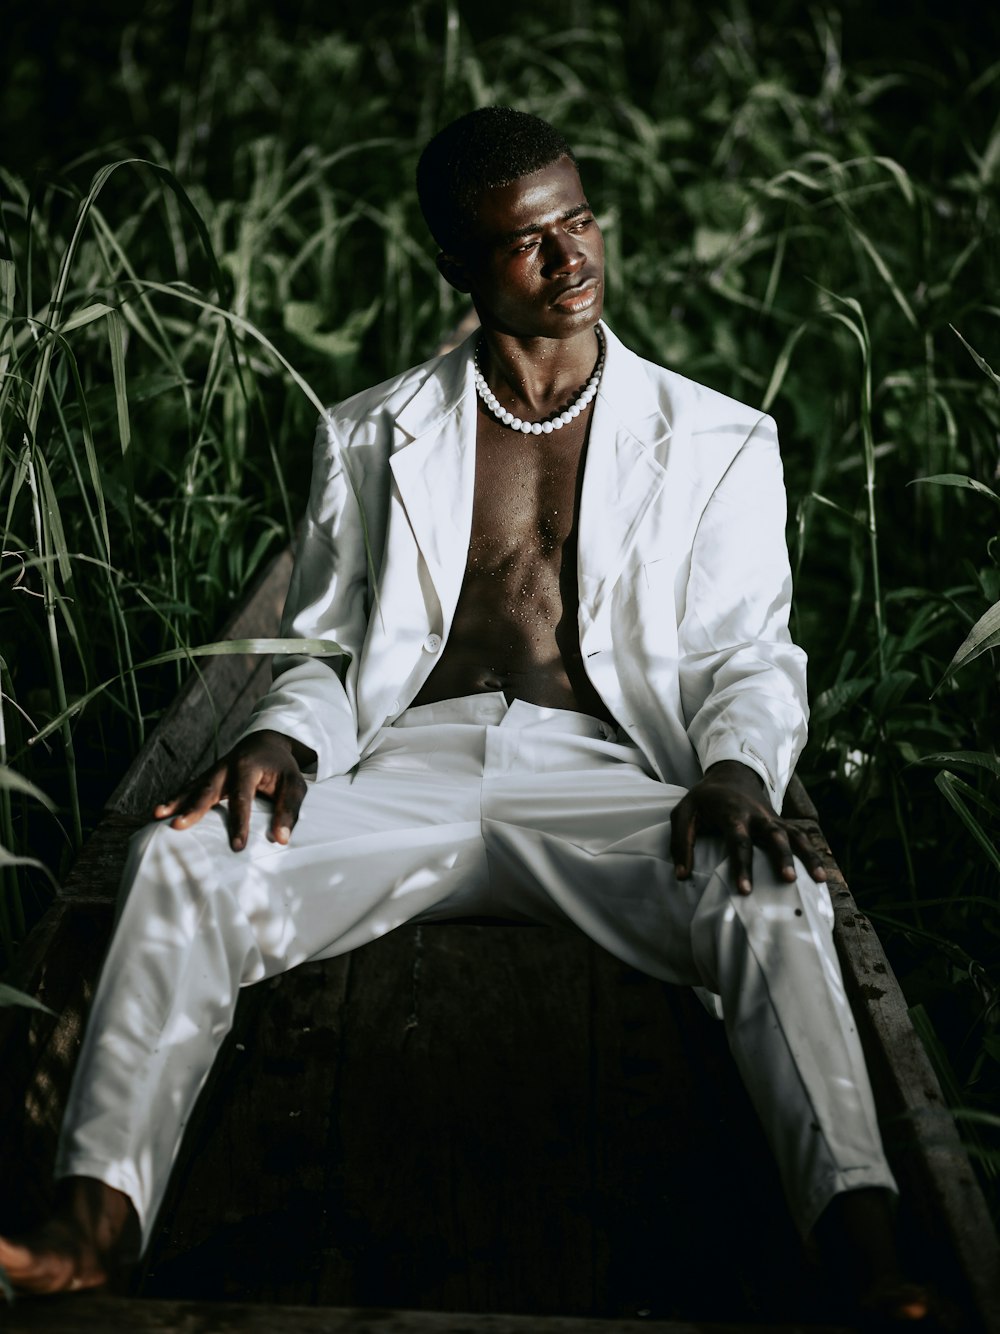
(434,466)
(625,472)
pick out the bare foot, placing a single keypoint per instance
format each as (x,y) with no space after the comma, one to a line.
(856,1237)
(92,1234)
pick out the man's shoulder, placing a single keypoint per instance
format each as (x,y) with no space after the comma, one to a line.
(687,404)
(384,401)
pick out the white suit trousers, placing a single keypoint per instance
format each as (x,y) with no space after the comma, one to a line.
(467,807)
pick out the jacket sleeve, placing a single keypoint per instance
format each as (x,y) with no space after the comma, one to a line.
(742,680)
(327,599)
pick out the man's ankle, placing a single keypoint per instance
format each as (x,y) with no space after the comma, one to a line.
(856,1237)
(102,1217)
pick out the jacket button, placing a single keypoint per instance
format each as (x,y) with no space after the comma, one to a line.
(432,643)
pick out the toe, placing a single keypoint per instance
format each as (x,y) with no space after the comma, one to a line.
(46,1263)
(903,1305)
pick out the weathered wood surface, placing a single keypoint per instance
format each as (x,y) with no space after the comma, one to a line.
(501,1118)
(479,1118)
(945,1210)
(83,1315)
(60,960)
(208,713)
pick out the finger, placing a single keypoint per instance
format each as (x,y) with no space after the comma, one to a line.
(184,800)
(287,804)
(197,801)
(682,836)
(771,836)
(740,847)
(238,815)
(808,855)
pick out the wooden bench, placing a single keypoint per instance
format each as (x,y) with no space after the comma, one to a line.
(501,1121)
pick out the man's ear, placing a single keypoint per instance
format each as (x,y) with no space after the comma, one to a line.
(454,271)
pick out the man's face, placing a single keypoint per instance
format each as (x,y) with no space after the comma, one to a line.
(534,262)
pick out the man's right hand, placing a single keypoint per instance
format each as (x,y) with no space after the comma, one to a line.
(265,764)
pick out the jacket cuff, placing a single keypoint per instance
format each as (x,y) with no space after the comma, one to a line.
(754,756)
(335,753)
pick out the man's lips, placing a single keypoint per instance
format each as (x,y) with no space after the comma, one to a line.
(579,295)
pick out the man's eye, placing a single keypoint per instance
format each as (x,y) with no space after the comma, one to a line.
(581,224)
(523,249)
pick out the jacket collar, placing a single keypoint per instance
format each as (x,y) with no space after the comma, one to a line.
(625,388)
(434,467)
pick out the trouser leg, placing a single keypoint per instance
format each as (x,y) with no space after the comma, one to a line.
(441,820)
(595,836)
(198,921)
(770,956)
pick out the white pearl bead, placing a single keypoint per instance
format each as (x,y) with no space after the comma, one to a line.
(555,423)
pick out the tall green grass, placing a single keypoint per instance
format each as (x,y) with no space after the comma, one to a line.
(808,230)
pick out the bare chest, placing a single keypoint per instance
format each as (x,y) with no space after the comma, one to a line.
(526,497)
(515,624)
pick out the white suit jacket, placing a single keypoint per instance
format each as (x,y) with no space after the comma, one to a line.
(684,582)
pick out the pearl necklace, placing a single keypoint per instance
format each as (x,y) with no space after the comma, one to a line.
(555,423)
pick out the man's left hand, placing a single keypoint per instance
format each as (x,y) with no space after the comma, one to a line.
(731,801)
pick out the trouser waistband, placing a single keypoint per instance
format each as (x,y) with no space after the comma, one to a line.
(491,709)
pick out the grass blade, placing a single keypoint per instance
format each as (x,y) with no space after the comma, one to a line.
(985,634)
(948,785)
(983,365)
(313,647)
(116,337)
(12,781)
(975,759)
(956,479)
(11,996)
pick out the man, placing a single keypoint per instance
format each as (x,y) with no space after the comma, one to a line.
(566,692)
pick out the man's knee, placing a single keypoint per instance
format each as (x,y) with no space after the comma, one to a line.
(162,858)
(775,917)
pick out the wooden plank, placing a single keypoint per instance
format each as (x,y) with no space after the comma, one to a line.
(97,871)
(551,1143)
(211,708)
(682,1164)
(424,1186)
(61,961)
(483,1117)
(949,1228)
(85,1314)
(39,1051)
(949,1216)
(248,1210)
(52,1054)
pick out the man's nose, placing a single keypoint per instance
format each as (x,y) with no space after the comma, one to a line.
(564,254)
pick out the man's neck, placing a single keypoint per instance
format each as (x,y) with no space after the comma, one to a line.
(540,373)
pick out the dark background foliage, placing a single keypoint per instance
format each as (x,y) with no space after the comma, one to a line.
(795,197)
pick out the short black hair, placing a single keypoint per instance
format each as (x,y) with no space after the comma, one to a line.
(480,151)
